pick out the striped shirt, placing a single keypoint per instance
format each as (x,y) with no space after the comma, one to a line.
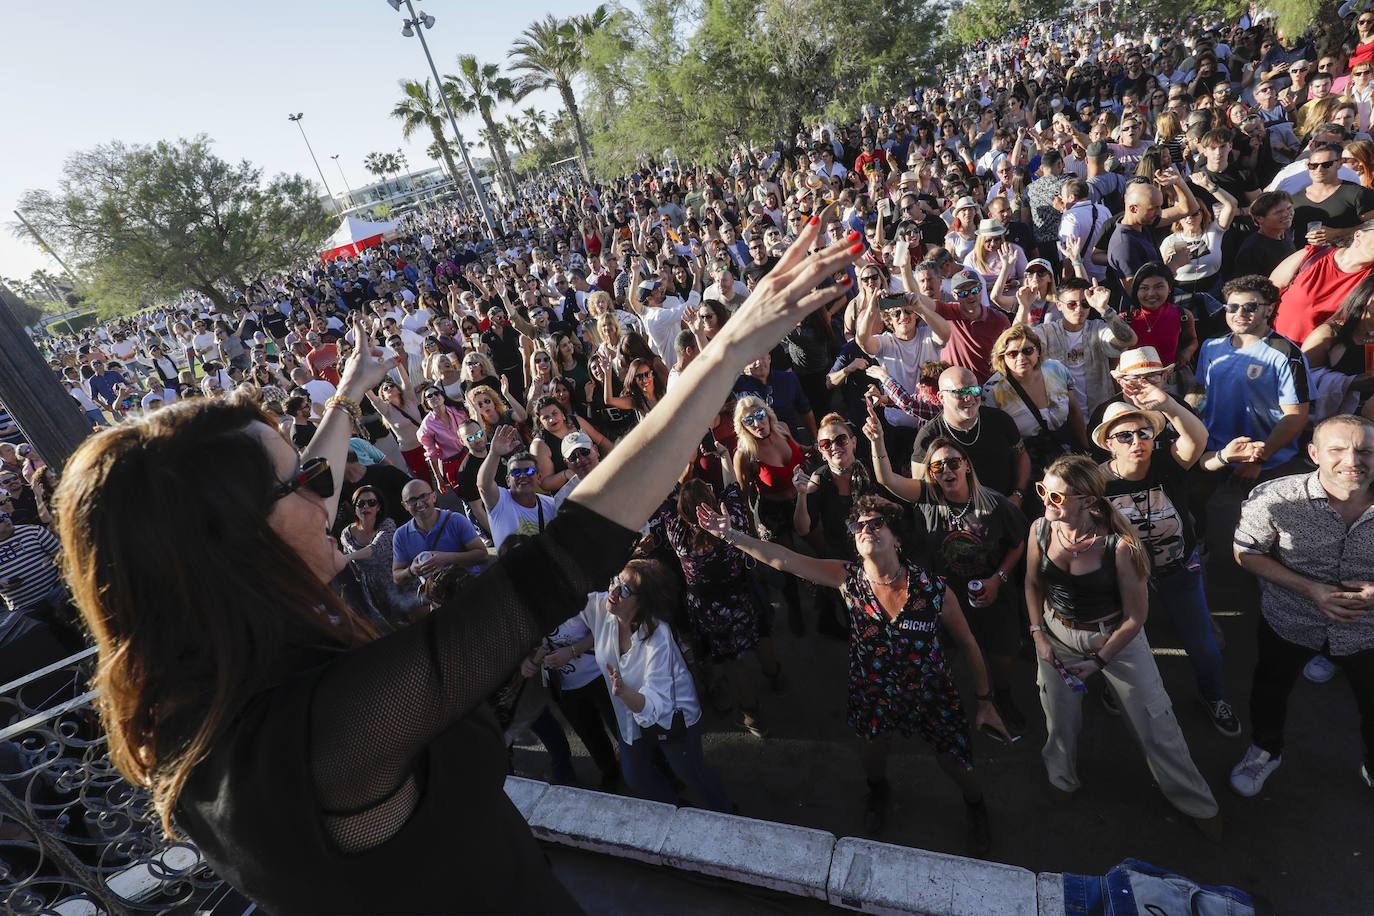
(27,570)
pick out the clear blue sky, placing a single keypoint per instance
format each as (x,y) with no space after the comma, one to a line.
(81,73)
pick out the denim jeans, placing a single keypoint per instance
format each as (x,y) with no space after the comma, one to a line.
(688,763)
(1133,887)
(1183,597)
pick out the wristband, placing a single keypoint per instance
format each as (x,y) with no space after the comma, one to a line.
(1037,629)
(1097,658)
(1002,574)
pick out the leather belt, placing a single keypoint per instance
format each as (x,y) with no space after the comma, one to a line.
(1088,626)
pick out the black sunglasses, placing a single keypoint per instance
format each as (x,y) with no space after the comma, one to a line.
(313,474)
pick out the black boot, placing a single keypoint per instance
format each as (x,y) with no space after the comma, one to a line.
(875,807)
(979,833)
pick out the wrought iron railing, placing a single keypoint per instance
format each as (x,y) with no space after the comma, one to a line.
(75,837)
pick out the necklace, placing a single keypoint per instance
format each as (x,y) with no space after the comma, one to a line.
(977,429)
(901,571)
(1077,544)
(957,518)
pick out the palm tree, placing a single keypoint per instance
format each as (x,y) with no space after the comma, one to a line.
(419,109)
(535,122)
(478,87)
(550,54)
(514,127)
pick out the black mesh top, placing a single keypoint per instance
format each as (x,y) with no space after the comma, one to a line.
(374,782)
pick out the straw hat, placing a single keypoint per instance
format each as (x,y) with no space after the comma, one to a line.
(991,227)
(1140,361)
(1120,410)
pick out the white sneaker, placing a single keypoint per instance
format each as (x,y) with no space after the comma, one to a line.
(1248,776)
(1365,775)
(1319,670)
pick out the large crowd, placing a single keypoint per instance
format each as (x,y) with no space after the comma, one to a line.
(1105,277)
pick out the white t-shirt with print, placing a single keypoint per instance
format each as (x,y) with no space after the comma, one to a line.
(509,517)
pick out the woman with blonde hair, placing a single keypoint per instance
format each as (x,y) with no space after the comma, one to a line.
(766,459)
(541,369)
(992,250)
(492,410)
(1169,134)
(1086,574)
(1316,113)
(478,370)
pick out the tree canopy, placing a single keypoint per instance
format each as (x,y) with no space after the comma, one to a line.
(146,222)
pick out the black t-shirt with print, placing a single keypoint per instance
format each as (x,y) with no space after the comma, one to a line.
(1157,507)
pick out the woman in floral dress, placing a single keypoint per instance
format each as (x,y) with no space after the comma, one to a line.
(722,606)
(899,678)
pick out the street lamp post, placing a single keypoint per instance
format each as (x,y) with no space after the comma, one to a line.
(416,25)
(297,118)
(335,157)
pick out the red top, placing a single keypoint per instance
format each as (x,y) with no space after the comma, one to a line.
(971,341)
(1158,329)
(593,243)
(777,480)
(1315,293)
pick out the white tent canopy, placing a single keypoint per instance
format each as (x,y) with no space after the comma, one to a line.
(352,230)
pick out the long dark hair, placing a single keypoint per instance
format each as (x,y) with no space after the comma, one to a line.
(1353,306)
(180,652)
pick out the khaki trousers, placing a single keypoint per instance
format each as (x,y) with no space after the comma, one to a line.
(1135,679)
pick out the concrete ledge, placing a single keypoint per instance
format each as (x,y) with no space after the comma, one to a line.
(1049,893)
(628,827)
(525,794)
(881,878)
(763,853)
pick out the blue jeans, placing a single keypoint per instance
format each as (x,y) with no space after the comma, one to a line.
(96,418)
(1183,597)
(688,763)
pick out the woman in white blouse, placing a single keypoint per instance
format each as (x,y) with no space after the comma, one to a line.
(650,686)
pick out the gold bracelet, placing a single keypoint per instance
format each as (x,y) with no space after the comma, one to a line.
(349,406)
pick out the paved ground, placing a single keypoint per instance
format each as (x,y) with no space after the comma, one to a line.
(1306,843)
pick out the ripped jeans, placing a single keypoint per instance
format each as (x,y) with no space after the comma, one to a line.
(1145,704)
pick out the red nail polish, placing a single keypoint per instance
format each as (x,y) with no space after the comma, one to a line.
(856,248)
(815,220)
(846,281)
(853,236)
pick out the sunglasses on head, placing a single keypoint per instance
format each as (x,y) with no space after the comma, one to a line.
(840,441)
(1053,497)
(521,472)
(871,525)
(755,417)
(313,474)
(1145,434)
(954,464)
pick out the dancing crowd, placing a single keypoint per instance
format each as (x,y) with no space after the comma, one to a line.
(1103,280)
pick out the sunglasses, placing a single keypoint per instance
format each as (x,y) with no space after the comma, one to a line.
(966,293)
(313,474)
(433,393)
(474,437)
(972,391)
(1313,166)
(939,465)
(366,504)
(871,278)
(871,525)
(1249,308)
(418,498)
(1052,497)
(1024,351)
(521,472)
(621,590)
(646,374)
(901,311)
(540,359)
(756,418)
(839,441)
(1145,434)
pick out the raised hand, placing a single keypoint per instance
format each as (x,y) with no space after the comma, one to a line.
(505,440)
(873,429)
(1098,297)
(877,372)
(802,482)
(713,522)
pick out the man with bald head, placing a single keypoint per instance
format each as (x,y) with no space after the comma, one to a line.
(988,434)
(433,538)
(1131,246)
